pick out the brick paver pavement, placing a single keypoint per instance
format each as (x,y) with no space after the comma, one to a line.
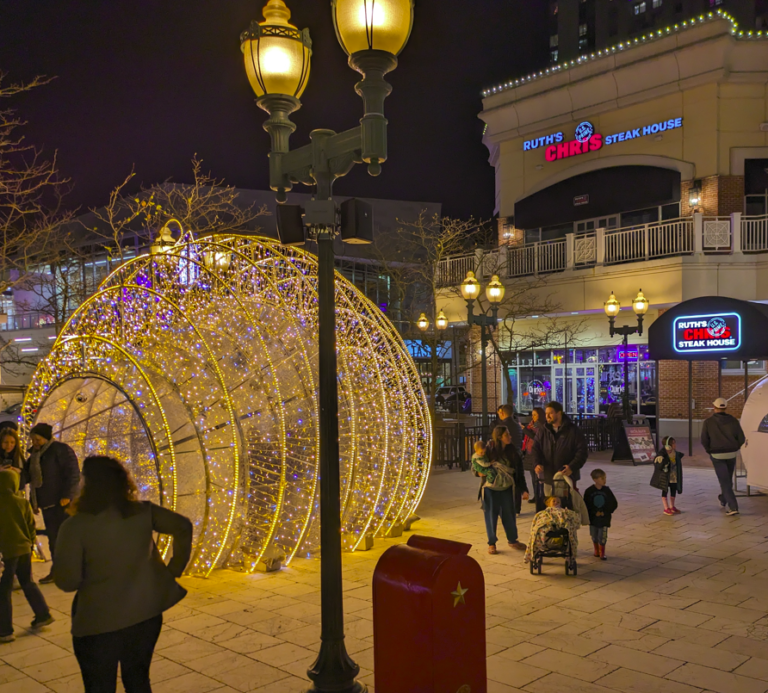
(680,607)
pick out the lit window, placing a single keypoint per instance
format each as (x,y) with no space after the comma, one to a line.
(640,8)
(715,3)
(583,44)
(554,41)
(657,3)
(553,55)
(582,29)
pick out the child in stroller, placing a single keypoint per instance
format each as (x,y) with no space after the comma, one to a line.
(554,535)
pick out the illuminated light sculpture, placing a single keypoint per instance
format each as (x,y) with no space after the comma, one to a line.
(197,368)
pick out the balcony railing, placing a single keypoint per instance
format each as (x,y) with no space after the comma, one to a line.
(675,237)
(665,239)
(754,234)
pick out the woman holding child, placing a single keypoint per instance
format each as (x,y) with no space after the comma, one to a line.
(501,467)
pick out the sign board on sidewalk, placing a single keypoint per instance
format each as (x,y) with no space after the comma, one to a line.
(641,443)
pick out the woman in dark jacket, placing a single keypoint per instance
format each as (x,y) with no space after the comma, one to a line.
(107,554)
(10,451)
(512,457)
(538,419)
(668,473)
(501,504)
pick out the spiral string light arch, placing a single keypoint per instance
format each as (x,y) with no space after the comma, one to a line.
(197,367)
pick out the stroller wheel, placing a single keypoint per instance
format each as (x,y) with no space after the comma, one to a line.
(539,566)
(574,568)
(567,568)
(530,565)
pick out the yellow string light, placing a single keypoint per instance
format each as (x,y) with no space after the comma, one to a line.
(208,370)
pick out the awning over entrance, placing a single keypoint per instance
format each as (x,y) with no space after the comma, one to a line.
(710,328)
(597,193)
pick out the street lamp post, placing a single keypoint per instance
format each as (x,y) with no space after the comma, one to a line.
(494,292)
(277,61)
(612,307)
(441,323)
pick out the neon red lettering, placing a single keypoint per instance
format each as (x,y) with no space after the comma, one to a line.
(551,153)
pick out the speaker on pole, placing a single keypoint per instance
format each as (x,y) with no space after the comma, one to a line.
(356,221)
(290,225)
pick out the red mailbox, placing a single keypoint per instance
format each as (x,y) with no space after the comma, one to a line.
(429,619)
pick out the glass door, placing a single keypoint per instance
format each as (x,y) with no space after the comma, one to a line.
(577,390)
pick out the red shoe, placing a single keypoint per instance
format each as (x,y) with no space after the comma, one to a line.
(602,552)
(669,511)
(492,550)
(675,511)
(597,549)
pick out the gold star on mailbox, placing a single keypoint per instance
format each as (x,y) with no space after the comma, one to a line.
(458,595)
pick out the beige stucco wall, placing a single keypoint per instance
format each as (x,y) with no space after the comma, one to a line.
(716,83)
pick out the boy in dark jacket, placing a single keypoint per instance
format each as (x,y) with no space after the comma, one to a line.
(17,536)
(601,504)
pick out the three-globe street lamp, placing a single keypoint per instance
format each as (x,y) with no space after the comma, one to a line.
(612,308)
(494,292)
(277,62)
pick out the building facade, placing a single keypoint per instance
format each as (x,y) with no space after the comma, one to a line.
(643,166)
(580,27)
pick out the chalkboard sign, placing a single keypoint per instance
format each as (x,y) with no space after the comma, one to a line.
(641,445)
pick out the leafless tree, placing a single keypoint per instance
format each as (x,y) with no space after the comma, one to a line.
(411,258)
(34,228)
(206,205)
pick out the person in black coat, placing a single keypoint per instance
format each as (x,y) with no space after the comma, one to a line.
(53,475)
(538,419)
(508,419)
(558,447)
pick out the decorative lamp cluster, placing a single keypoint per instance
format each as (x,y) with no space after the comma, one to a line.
(624,45)
(197,367)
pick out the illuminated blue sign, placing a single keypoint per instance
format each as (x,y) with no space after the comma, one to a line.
(694,334)
(554,138)
(654,129)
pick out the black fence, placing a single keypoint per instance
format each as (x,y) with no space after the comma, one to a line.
(454,443)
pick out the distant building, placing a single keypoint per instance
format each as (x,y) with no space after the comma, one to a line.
(31,315)
(579,27)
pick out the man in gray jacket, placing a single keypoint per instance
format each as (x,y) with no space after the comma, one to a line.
(722,438)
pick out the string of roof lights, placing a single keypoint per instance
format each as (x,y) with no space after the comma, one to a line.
(630,43)
(196,365)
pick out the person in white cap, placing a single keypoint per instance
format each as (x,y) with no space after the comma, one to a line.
(722,438)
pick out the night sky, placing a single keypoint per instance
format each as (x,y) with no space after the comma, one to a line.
(149,84)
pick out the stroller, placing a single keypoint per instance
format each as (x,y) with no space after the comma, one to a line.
(557,543)
(560,489)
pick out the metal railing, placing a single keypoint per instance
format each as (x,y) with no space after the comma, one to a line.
(648,241)
(451,272)
(537,258)
(754,234)
(671,238)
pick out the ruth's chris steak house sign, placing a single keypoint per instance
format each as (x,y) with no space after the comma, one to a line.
(585,139)
(700,333)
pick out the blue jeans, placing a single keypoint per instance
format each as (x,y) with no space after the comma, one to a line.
(495,504)
(724,470)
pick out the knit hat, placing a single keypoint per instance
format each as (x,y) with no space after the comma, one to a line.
(9,424)
(43,430)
